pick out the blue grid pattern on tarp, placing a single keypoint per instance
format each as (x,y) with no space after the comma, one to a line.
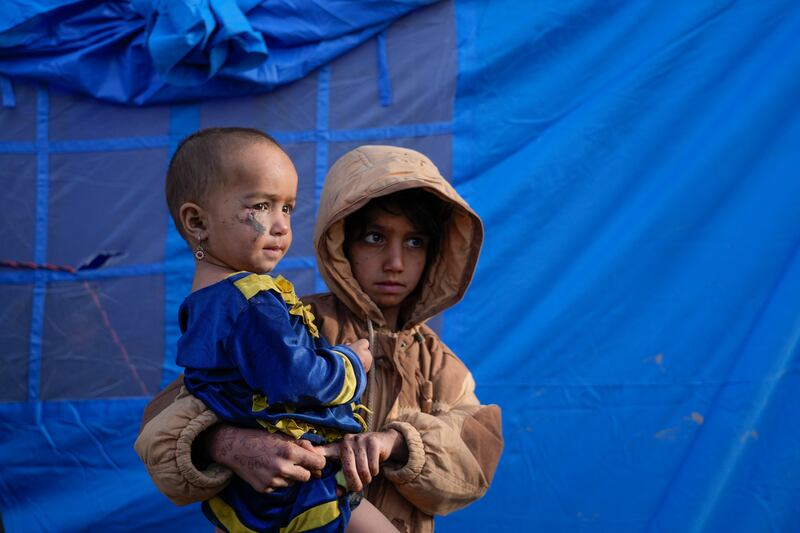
(95,285)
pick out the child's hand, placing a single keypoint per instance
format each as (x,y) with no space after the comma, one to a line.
(361,348)
(361,454)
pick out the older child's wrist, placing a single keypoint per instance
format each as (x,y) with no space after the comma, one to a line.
(399,453)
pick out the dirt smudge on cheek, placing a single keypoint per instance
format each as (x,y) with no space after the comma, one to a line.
(251,218)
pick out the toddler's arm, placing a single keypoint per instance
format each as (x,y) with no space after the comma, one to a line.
(273,359)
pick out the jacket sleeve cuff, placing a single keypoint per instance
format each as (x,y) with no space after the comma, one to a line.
(214,474)
(165,447)
(416,455)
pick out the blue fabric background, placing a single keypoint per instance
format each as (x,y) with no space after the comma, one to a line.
(635,310)
(141,51)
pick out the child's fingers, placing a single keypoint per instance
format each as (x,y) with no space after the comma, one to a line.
(374,456)
(303,443)
(329,451)
(350,469)
(362,465)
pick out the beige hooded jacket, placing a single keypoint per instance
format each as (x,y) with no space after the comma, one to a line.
(416,386)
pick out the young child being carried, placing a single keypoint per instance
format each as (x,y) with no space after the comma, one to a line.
(250,348)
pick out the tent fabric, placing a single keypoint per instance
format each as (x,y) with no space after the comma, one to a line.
(141,51)
(636,165)
(634,311)
(88,335)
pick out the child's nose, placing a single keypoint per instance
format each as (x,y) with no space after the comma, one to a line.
(394,259)
(280,226)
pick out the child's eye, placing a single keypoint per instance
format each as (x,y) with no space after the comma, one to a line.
(261,206)
(373,238)
(287,209)
(416,242)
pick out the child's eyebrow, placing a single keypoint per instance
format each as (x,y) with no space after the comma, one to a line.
(265,196)
(374,226)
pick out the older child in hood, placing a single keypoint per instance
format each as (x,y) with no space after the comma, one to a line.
(396,245)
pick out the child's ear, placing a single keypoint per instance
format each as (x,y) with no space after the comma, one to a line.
(193,220)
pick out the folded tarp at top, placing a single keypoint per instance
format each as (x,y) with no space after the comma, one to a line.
(161,51)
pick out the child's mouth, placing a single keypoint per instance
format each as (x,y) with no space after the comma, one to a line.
(390,286)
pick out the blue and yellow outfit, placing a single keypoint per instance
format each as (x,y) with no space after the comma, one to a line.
(253,355)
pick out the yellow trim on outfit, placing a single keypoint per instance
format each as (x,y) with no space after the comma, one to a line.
(298,428)
(251,285)
(259,403)
(227,516)
(324,513)
(360,419)
(350,382)
(313,518)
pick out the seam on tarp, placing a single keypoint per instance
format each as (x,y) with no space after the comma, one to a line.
(40,244)
(104,145)
(7,91)
(23,409)
(28,276)
(393,132)
(17,147)
(283,137)
(321,167)
(183,120)
(384,80)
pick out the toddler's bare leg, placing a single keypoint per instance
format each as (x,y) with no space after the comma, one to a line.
(366,518)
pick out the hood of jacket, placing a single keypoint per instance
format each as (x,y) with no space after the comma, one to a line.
(372,171)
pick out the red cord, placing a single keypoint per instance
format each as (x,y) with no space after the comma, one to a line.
(26,265)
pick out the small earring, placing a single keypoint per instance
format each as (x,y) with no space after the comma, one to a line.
(199,253)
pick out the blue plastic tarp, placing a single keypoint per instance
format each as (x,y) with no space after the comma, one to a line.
(635,309)
(141,51)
